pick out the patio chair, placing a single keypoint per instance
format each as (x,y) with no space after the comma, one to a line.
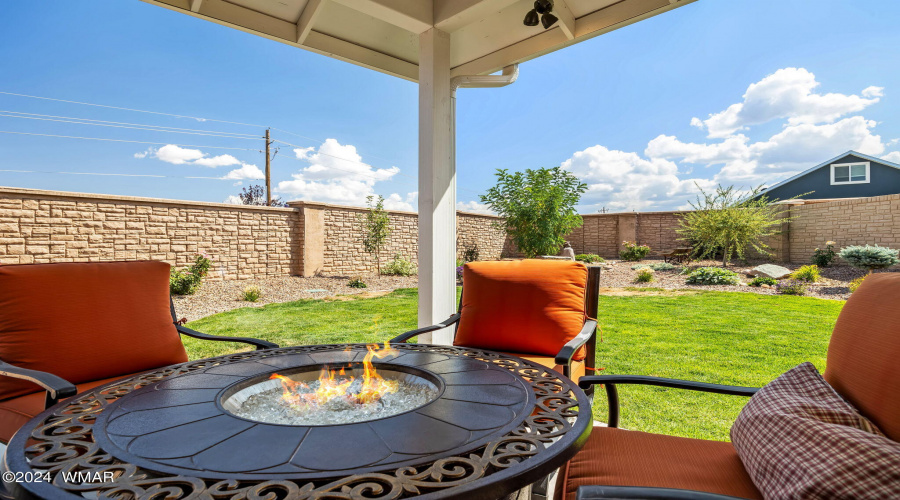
(861,366)
(69,327)
(540,310)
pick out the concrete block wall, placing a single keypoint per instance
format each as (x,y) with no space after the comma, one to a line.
(39,226)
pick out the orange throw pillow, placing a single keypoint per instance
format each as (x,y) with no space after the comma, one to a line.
(527,306)
(85,321)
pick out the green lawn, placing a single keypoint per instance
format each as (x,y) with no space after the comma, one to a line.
(729,338)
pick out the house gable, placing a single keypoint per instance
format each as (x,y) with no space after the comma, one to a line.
(816,182)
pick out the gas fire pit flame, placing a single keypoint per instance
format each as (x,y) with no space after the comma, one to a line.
(334,387)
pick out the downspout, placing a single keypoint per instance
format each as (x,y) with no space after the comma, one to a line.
(507,77)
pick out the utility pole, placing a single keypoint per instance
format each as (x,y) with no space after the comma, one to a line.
(268,171)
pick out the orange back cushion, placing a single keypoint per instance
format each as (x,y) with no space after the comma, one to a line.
(85,321)
(863,363)
(527,306)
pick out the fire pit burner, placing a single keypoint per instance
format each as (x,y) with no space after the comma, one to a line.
(330,396)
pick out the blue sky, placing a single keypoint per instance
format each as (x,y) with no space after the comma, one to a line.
(741,92)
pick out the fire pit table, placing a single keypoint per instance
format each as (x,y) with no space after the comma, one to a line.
(412,421)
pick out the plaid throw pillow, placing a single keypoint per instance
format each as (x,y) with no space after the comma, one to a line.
(798,439)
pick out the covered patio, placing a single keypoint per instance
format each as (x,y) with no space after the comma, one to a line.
(443,45)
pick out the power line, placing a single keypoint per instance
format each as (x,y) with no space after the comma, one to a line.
(123,140)
(124,126)
(162,127)
(132,109)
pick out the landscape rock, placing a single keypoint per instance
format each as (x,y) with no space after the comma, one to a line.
(769,271)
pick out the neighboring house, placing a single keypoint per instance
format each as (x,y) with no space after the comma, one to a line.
(850,175)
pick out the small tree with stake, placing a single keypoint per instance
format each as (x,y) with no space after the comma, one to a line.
(376,226)
(731,222)
(537,207)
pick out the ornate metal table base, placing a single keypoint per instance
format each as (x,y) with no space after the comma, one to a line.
(499,423)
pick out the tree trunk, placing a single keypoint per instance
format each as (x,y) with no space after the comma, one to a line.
(725,256)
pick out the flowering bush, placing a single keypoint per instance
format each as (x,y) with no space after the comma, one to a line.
(713,276)
(791,287)
(633,251)
(251,294)
(644,275)
(400,267)
(187,281)
(823,258)
(459,273)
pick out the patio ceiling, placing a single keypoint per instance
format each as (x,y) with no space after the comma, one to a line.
(485,35)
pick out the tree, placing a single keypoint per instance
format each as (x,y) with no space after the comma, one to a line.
(537,207)
(731,222)
(376,226)
(256,195)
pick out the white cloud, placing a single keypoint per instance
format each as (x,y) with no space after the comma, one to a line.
(233,200)
(787,93)
(176,155)
(621,180)
(893,156)
(246,171)
(814,129)
(396,202)
(337,174)
(474,206)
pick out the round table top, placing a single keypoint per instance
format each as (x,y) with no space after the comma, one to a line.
(498,424)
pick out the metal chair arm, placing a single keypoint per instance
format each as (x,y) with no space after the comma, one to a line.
(260,344)
(644,492)
(609,383)
(403,337)
(565,354)
(57,388)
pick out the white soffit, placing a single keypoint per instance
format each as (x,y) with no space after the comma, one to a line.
(486,35)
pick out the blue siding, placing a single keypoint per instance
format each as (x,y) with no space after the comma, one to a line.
(883,179)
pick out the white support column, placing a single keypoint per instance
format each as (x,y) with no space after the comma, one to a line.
(437,187)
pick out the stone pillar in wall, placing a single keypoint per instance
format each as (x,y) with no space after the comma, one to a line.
(313,238)
(627,229)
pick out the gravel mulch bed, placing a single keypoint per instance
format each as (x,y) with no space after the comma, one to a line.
(219,296)
(618,276)
(617,279)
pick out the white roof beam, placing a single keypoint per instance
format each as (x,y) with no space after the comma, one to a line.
(594,24)
(308,18)
(566,18)
(195,5)
(451,15)
(412,15)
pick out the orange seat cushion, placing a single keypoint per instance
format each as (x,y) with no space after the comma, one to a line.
(16,412)
(527,306)
(616,457)
(863,363)
(85,321)
(578,369)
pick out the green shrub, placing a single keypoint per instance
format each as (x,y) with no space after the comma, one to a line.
(713,276)
(633,251)
(470,253)
(399,267)
(869,257)
(823,258)
(644,275)
(855,283)
(763,280)
(357,283)
(187,281)
(251,294)
(810,274)
(791,287)
(589,258)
